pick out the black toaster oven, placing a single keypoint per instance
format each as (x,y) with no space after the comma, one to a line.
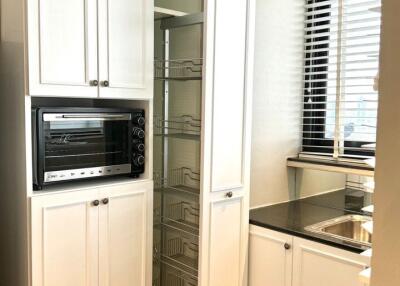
(81,143)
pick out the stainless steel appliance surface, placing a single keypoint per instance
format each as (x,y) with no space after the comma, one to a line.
(80,143)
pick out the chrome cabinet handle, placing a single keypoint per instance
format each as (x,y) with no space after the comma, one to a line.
(106,83)
(229,195)
(94,82)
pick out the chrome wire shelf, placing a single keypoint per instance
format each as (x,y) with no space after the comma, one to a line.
(183,179)
(179,69)
(181,208)
(172,275)
(181,250)
(182,127)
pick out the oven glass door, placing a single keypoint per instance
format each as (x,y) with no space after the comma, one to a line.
(85,141)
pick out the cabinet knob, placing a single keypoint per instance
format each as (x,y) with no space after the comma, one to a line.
(105,201)
(94,82)
(106,83)
(229,195)
(287,246)
(96,203)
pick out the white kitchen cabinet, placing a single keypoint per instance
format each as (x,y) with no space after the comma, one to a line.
(89,49)
(315,264)
(301,263)
(123,233)
(126,49)
(93,237)
(65,240)
(62,47)
(226,143)
(226,240)
(270,257)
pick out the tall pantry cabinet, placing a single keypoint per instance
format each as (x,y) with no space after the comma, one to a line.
(202,106)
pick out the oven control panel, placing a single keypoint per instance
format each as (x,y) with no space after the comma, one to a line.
(138,142)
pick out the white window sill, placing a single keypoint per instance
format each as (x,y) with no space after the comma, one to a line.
(331,166)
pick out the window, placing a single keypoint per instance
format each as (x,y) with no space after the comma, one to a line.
(341,53)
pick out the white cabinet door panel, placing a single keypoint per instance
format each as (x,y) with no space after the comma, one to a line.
(229,93)
(65,240)
(315,264)
(124,233)
(126,48)
(270,264)
(62,47)
(226,242)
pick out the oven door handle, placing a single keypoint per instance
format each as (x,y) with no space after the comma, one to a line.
(86,116)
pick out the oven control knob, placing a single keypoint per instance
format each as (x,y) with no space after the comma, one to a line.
(140,120)
(139,160)
(138,132)
(139,147)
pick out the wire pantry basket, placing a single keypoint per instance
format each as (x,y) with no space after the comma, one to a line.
(182,69)
(184,127)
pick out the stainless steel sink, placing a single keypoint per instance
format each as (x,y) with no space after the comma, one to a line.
(348,228)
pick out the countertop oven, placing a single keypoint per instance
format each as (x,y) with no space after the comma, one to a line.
(81,143)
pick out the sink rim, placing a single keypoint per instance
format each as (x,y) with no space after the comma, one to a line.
(317,227)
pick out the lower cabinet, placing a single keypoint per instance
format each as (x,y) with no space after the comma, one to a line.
(270,258)
(92,237)
(277,259)
(226,240)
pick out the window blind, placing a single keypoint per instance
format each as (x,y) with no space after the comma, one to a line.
(341,58)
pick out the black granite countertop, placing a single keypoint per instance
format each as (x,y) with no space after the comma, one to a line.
(292,217)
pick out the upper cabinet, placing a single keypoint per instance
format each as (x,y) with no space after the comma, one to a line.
(89,49)
(62,47)
(126,36)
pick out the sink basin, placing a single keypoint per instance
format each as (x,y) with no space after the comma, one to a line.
(348,228)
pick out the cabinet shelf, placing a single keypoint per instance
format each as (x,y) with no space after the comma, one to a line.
(162,13)
(181,189)
(177,275)
(184,227)
(184,263)
(172,274)
(181,180)
(179,69)
(190,137)
(184,127)
(180,248)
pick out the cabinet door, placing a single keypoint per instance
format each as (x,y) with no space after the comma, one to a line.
(270,258)
(227,240)
(125,236)
(315,264)
(62,47)
(65,240)
(229,96)
(126,38)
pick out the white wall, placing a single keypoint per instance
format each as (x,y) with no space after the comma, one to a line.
(312,182)
(277,99)
(386,242)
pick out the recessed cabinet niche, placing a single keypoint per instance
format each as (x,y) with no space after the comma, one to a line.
(89,49)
